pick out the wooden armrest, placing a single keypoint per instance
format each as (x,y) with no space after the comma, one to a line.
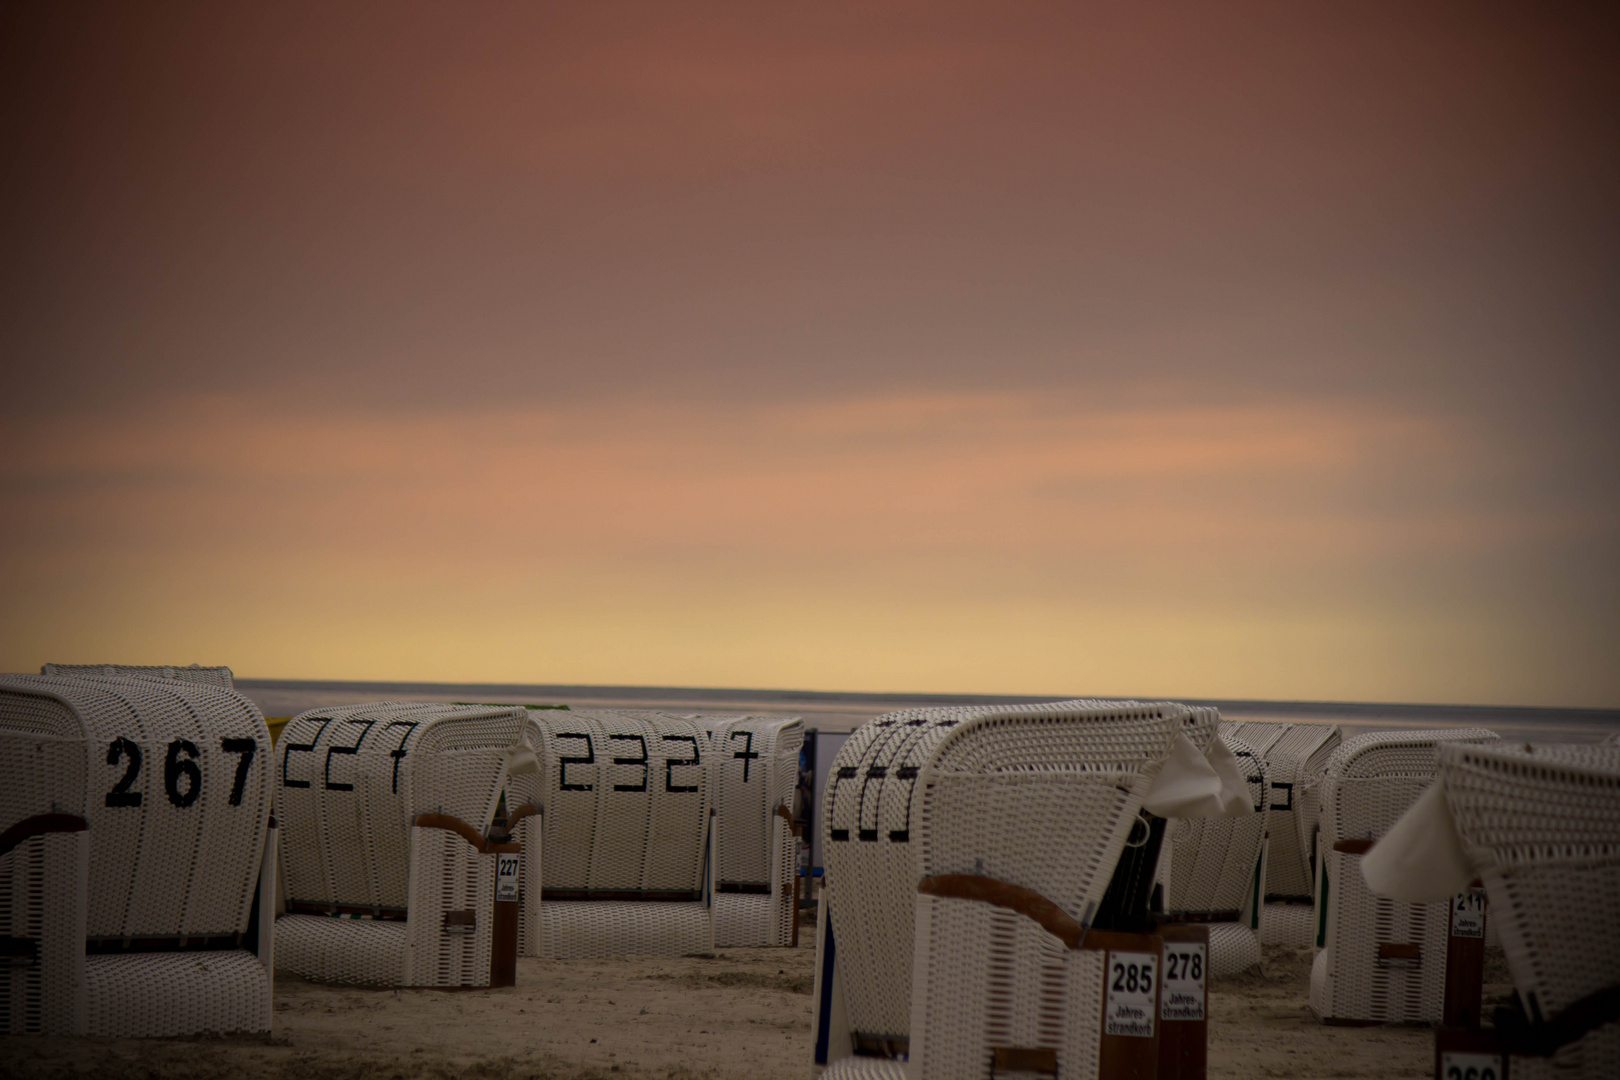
(528,809)
(1027,902)
(793,826)
(1353,847)
(453,824)
(38,825)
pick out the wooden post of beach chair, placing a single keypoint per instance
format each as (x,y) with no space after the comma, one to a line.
(1379,960)
(107,786)
(1465,959)
(631,846)
(1541,826)
(1217,872)
(385,810)
(1183,1003)
(1061,788)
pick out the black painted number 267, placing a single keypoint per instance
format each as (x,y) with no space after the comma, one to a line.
(182,775)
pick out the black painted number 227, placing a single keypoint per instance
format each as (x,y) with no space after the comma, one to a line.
(182,776)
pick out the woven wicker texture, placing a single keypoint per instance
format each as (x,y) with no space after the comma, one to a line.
(348,950)
(1296,757)
(864,1068)
(44,884)
(1371,780)
(1043,805)
(754,762)
(1543,825)
(177,817)
(1293,925)
(447,875)
(1215,866)
(1041,795)
(598,928)
(985,977)
(626,799)
(172,777)
(148,995)
(208,676)
(351,780)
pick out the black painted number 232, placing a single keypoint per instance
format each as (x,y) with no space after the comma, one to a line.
(182,776)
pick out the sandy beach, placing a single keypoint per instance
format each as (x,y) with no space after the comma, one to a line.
(735,1014)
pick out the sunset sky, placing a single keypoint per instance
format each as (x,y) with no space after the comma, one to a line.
(1208,350)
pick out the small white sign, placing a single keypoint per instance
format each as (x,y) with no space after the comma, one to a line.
(1455,1066)
(1182,995)
(506,877)
(1468,914)
(1128,1001)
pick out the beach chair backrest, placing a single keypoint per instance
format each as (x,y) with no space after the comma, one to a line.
(1038,807)
(1296,757)
(1544,825)
(1380,959)
(1371,780)
(209,676)
(626,801)
(1215,862)
(351,780)
(755,762)
(1042,795)
(172,778)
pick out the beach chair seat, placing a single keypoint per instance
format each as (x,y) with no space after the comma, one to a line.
(1296,757)
(1217,867)
(1042,798)
(1540,827)
(755,766)
(1379,960)
(391,875)
(136,853)
(624,801)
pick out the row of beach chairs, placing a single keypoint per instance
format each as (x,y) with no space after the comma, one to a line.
(146,887)
(1013,891)
(1030,890)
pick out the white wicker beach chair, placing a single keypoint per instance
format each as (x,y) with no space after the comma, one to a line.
(1541,828)
(1380,960)
(754,763)
(1296,757)
(391,878)
(1103,756)
(136,857)
(625,801)
(208,676)
(1217,867)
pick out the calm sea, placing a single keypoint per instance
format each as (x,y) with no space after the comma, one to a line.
(829,711)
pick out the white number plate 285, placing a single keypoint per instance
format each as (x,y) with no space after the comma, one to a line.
(1128,1001)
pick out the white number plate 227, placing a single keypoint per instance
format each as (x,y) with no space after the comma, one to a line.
(506,877)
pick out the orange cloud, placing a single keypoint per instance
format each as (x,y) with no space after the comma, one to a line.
(956,542)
